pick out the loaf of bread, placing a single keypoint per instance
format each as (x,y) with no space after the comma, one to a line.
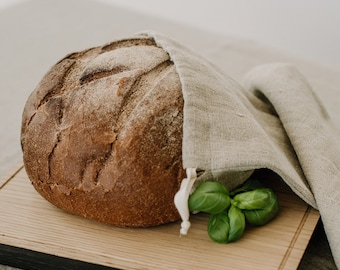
(102,134)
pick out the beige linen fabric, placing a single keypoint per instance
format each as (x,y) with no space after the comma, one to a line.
(276,122)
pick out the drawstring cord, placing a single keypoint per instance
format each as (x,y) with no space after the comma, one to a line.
(181,199)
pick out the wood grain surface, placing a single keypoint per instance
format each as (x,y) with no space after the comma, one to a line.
(28,221)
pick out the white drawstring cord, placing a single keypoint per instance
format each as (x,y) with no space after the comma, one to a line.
(181,199)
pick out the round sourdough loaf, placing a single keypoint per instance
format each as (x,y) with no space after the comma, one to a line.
(102,134)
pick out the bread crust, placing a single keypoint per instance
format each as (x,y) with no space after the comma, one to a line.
(102,134)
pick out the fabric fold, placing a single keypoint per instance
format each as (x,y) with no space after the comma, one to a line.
(274,121)
(313,136)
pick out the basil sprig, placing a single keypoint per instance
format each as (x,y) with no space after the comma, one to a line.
(250,204)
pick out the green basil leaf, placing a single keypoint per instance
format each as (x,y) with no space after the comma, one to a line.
(218,227)
(209,197)
(237,223)
(255,199)
(260,217)
(212,187)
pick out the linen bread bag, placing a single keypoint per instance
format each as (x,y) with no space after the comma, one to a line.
(109,131)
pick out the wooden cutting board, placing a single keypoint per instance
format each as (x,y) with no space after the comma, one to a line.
(30,222)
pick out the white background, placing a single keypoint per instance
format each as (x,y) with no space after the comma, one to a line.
(308,29)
